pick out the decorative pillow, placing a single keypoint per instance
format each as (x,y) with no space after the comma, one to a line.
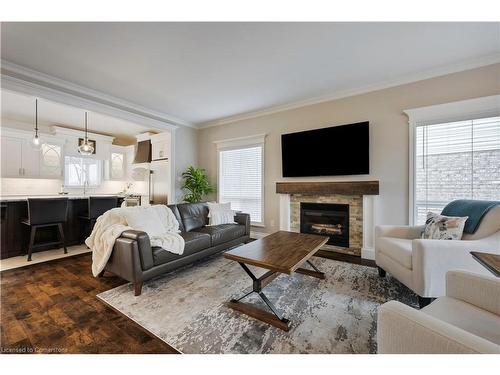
(220,213)
(439,227)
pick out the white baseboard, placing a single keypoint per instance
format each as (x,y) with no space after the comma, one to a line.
(368,253)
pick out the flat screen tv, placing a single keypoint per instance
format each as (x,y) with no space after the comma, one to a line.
(333,151)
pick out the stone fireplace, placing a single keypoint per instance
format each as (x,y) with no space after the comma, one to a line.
(343,211)
(327,219)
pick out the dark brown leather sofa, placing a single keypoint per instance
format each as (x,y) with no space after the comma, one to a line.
(135,260)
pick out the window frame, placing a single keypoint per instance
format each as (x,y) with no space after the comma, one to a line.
(242,143)
(101,172)
(463,110)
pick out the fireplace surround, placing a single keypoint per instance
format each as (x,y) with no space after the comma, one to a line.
(360,196)
(327,219)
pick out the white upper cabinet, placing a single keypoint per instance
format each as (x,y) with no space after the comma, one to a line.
(117,165)
(12,151)
(30,160)
(51,160)
(160,146)
(19,159)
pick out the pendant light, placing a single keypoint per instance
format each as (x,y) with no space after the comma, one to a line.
(36,142)
(85,148)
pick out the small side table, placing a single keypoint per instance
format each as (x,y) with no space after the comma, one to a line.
(490,261)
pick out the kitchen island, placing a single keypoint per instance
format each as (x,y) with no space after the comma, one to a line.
(15,235)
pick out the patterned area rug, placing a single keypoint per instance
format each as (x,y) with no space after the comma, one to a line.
(186,308)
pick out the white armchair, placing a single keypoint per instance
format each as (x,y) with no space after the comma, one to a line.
(467,320)
(422,264)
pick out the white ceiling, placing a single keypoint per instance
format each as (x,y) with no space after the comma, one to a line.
(21,108)
(200,72)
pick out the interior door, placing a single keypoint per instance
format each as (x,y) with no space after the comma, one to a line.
(12,156)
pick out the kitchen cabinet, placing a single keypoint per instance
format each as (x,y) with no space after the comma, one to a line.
(20,159)
(51,160)
(14,235)
(12,155)
(117,165)
(160,146)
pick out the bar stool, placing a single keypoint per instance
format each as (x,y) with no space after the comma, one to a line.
(46,212)
(96,207)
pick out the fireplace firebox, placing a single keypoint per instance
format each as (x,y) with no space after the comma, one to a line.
(327,219)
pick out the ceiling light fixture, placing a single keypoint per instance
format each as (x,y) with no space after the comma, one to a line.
(85,148)
(36,143)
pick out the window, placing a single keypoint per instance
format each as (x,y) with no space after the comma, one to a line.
(78,171)
(240,179)
(455,160)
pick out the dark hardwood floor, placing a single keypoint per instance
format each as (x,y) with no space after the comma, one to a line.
(52,308)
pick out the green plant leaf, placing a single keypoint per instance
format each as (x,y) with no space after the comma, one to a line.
(196,184)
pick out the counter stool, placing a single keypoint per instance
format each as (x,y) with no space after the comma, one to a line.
(96,207)
(46,212)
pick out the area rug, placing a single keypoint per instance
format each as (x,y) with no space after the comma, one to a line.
(186,308)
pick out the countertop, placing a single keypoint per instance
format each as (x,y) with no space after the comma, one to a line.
(21,198)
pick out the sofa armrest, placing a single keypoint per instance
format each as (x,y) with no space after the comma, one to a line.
(143,246)
(243,219)
(399,231)
(402,329)
(478,290)
(432,259)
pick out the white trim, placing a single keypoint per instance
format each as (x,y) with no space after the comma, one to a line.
(368,223)
(454,68)
(247,141)
(20,79)
(368,253)
(284,212)
(455,111)
(442,113)
(59,130)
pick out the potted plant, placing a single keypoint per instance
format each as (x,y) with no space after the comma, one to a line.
(196,183)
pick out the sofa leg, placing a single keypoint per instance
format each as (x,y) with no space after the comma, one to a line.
(137,288)
(423,301)
(381,272)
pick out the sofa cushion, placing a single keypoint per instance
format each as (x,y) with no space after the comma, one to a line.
(468,317)
(194,242)
(398,249)
(177,215)
(194,215)
(223,232)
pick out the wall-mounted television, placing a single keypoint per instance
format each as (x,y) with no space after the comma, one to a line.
(334,151)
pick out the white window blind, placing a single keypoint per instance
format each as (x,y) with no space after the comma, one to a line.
(240,180)
(456,160)
(79,170)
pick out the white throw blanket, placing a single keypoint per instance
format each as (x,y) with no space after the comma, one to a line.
(157,221)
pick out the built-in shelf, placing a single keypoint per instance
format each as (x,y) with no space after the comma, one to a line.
(344,187)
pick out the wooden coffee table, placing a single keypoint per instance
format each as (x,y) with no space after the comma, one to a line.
(490,261)
(280,252)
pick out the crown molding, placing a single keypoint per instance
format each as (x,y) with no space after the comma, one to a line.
(441,71)
(18,78)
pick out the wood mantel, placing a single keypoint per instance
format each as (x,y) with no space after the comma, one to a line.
(344,187)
